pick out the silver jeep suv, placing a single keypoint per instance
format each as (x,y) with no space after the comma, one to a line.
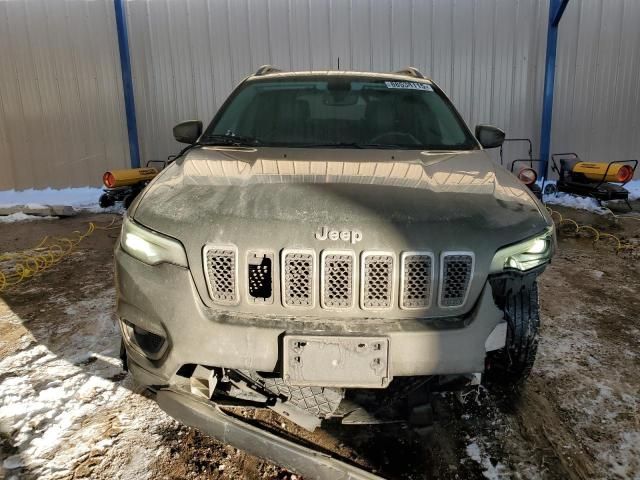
(328,234)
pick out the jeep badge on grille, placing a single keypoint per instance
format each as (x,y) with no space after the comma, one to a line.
(353,236)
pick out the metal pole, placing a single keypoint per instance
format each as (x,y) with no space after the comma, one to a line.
(547,96)
(127,82)
(556,10)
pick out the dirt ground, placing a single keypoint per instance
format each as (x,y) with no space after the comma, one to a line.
(68,411)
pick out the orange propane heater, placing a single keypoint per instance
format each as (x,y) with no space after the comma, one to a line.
(125,184)
(603,171)
(603,181)
(127,177)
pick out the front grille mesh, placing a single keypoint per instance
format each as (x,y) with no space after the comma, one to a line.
(456,270)
(221,269)
(378,281)
(337,271)
(419,275)
(417,281)
(298,280)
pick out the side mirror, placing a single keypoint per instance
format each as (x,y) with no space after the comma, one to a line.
(489,136)
(188,131)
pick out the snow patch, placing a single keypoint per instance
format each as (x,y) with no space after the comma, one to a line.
(634,189)
(13,462)
(22,217)
(626,459)
(586,203)
(479,455)
(81,198)
(573,201)
(60,410)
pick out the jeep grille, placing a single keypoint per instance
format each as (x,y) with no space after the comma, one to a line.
(457,269)
(381,284)
(377,285)
(297,276)
(337,279)
(221,274)
(417,277)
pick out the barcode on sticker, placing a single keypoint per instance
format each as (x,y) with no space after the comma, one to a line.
(410,86)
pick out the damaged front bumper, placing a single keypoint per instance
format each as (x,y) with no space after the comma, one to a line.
(167,304)
(210,419)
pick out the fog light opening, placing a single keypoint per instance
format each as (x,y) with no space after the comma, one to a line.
(150,344)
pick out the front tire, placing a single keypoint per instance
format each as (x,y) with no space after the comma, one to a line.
(511,365)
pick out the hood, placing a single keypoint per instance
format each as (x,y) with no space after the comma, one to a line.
(267,200)
(462,193)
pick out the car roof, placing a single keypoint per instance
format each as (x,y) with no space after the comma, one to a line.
(410,74)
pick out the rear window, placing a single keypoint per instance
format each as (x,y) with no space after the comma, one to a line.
(341,112)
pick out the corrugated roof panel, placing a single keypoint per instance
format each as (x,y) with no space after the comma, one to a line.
(279,37)
(361,45)
(320,34)
(299,18)
(339,18)
(401,38)
(60,85)
(421,35)
(381,42)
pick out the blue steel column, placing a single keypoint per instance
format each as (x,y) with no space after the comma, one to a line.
(127,82)
(556,9)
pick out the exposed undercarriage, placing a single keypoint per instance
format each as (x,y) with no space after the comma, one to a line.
(406,400)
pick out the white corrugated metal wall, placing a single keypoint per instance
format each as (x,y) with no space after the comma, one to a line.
(187,56)
(61,110)
(487,54)
(62,119)
(597,96)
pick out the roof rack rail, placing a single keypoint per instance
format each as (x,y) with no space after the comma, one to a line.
(410,72)
(265,70)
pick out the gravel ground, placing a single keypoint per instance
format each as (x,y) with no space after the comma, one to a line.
(68,411)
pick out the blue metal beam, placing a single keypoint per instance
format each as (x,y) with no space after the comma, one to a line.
(556,9)
(557,14)
(127,82)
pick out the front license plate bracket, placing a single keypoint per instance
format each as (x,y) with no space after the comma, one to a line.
(336,361)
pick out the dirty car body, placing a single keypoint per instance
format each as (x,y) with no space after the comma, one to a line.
(329,233)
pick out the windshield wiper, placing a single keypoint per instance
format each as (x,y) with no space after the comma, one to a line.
(326,145)
(237,140)
(387,146)
(359,145)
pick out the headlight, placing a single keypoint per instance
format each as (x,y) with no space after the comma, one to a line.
(525,255)
(150,247)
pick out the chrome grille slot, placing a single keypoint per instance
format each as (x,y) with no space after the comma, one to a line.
(297,278)
(417,279)
(221,271)
(377,281)
(337,279)
(456,273)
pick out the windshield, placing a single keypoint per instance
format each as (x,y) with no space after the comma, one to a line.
(340,112)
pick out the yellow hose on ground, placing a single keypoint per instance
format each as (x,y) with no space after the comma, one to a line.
(621,245)
(16,267)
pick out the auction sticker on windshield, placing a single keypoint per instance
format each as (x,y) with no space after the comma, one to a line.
(410,86)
